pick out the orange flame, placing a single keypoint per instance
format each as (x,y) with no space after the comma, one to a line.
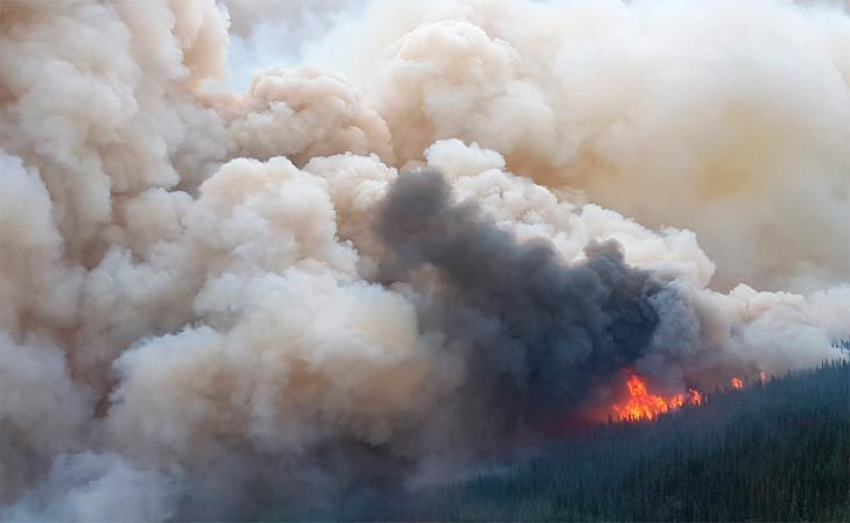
(694,397)
(737,383)
(642,405)
(762,378)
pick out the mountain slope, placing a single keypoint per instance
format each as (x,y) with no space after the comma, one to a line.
(777,452)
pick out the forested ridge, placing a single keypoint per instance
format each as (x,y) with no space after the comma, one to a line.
(778,451)
(773,452)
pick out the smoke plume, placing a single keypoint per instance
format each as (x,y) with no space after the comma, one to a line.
(541,331)
(426,235)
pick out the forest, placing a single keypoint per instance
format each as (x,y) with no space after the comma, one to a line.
(779,451)
(773,451)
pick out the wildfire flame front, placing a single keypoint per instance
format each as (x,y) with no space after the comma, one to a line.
(642,405)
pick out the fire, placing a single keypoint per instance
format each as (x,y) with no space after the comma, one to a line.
(643,405)
(737,383)
(694,397)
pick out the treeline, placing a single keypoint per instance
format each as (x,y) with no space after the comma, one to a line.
(773,452)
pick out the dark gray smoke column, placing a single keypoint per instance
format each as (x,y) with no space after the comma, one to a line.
(536,334)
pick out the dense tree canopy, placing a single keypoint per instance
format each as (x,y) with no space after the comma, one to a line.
(777,452)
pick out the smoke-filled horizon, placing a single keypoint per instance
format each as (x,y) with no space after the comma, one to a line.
(419,237)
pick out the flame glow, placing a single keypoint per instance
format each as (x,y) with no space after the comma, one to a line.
(737,383)
(643,405)
(694,397)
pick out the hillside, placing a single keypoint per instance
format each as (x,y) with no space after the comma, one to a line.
(777,452)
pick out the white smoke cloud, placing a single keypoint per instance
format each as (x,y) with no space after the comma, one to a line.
(727,118)
(266,33)
(193,319)
(97,487)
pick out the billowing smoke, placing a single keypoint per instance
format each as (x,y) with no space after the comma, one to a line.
(538,333)
(406,254)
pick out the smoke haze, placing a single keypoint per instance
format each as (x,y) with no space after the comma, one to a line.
(417,237)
